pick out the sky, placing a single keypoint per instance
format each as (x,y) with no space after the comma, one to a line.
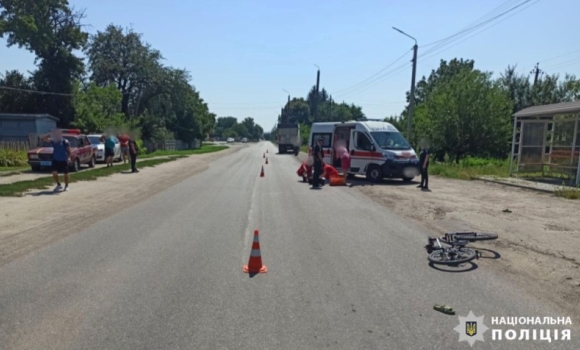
(244,54)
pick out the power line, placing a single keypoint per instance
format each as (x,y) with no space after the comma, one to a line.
(470,26)
(447,41)
(564,64)
(553,58)
(34,91)
(379,80)
(426,56)
(374,75)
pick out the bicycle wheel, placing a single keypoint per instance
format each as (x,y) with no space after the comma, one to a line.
(474,236)
(452,256)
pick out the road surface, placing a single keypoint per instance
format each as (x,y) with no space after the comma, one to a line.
(166,273)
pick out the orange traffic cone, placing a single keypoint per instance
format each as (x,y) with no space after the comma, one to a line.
(255,263)
(262,172)
(266,160)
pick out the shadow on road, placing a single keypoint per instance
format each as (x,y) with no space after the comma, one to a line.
(488,253)
(43,193)
(455,268)
(355,182)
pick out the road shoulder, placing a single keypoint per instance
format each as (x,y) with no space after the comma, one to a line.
(40,218)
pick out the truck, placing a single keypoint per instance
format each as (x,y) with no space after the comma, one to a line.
(289,138)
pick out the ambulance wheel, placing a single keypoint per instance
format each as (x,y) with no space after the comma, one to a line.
(374,173)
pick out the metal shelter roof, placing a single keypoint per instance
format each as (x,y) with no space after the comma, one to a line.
(550,110)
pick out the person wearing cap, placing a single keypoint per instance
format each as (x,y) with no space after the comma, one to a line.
(318,155)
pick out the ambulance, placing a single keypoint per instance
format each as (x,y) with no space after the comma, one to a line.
(377,149)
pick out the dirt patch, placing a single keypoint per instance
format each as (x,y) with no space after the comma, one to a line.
(539,240)
(42,217)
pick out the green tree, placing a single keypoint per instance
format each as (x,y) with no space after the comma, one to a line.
(466,115)
(52,31)
(120,57)
(97,108)
(16,101)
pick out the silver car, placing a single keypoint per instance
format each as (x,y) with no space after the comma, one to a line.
(99,148)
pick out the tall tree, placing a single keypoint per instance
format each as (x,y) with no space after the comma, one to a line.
(121,57)
(52,30)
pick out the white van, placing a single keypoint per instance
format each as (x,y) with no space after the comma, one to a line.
(377,149)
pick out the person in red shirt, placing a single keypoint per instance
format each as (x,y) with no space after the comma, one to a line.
(329,171)
(124,140)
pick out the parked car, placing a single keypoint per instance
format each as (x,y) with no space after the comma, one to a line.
(230,139)
(81,152)
(99,148)
(244,140)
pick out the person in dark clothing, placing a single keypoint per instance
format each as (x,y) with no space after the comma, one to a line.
(424,163)
(318,154)
(133,152)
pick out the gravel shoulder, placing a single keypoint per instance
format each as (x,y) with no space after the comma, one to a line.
(539,239)
(43,217)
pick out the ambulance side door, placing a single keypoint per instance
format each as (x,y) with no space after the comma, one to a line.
(361,149)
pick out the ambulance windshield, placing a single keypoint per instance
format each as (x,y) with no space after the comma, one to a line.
(391,140)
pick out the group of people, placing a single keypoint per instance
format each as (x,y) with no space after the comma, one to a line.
(61,154)
(129,149)
(328,171)
(321,170)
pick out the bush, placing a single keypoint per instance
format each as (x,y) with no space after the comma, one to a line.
(142,149)
(13,158)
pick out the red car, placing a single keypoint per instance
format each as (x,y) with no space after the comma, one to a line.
(81,152)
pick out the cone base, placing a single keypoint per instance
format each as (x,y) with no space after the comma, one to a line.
(263,269)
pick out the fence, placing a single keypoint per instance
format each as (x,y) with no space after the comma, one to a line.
(170,145)
(19,143)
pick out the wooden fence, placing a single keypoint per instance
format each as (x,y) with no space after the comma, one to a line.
(170,145)
(19,143)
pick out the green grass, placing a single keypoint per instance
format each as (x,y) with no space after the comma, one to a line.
(202,150)
(471,168)
(568,192)
(16,189)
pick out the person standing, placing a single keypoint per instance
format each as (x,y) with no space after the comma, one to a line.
(133,152)
(61,154)
(318,161)
(124,140)
(109,150)
(424,163)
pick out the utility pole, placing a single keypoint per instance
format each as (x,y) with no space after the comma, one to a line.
(536,71)
(317,92)
(412,93)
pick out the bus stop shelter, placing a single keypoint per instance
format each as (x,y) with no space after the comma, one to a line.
(546,141)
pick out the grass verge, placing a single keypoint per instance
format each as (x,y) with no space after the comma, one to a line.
(470,168)
(16,189)
(568,192)
(187,152)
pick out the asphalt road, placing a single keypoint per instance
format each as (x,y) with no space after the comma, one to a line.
(344,273)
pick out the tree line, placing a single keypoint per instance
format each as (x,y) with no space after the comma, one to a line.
(462,111)
(230,127)
(318,106)
(112,78)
